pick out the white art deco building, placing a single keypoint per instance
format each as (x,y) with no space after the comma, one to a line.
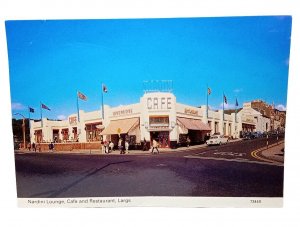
(157,115)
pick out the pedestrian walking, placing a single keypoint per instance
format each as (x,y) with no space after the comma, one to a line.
(145,148)
(51,147)
(33,147)
(126,147)
(102,147)
(154,146)
(106,146)
(29,146)
(38,147)
(110,146)
(120,145)
(188,141)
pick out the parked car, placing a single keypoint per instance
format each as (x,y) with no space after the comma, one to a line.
(257,134)
(248,136)
(217,140)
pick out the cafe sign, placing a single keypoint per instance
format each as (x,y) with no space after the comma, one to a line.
(73,120)
(159,103)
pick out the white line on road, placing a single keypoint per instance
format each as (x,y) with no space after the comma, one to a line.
(233,160)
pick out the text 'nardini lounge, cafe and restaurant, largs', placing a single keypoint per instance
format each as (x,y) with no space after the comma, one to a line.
(156,116)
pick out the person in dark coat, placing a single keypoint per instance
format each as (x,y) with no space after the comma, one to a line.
(33,147)
(51,146)
(145,148)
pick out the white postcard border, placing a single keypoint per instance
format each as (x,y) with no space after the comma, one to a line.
(152,201)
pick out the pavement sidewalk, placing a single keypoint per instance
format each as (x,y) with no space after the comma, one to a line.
(275,152)
(116,152)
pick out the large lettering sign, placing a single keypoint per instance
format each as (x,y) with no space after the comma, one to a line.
(122,112)
(190,111)
(162,103)
(72,120)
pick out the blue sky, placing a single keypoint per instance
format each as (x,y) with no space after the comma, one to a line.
(49,60)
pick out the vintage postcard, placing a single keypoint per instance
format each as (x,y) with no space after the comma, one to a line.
(185,112)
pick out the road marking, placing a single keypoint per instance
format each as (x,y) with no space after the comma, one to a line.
(234,160)
(254,154)
(230,154)
(162,165)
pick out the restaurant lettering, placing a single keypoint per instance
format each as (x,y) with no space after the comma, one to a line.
(159,103)
(190,111)
(122,112)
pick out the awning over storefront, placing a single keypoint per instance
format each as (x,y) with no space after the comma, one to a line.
(193,124)
(121,126)
(100,126)
(181,128)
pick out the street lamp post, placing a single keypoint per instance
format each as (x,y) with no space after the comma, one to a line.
(90,142)
(23,129)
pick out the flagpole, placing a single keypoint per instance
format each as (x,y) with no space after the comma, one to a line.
(223,105)
(29,123)
(41,114)
(78,108)
(206,101)
(235,110)
(102,102)
(29,116)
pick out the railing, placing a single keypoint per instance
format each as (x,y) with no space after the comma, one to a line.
(40,147)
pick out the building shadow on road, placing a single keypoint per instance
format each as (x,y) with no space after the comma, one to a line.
(55,194)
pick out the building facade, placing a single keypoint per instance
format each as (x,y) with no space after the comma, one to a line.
(156,116)
(251,120)
(277,117)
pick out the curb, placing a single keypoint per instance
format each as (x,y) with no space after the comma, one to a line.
(264,157)
(133,152)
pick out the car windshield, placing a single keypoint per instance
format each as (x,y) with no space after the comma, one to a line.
(214,137)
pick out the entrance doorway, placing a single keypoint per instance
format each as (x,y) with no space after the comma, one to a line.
(55,135)
(162,138)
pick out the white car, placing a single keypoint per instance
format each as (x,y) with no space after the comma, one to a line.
(217,140)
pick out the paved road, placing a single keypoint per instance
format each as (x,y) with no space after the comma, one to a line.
(195,172)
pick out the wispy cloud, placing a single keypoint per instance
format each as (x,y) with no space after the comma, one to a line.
(281,107)
(226,106)
(17,106)
(61,117)
(238,90)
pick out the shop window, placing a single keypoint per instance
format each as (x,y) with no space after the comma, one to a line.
(92,132)
(65,134)
(131,139)
(159,121)
(38,136)
(216,127)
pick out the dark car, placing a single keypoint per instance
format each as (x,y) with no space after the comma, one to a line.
(248,136)
(257,134)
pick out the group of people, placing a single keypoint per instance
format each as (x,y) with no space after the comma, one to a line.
(123,146)
(37,147)
(34,147)
(107,146)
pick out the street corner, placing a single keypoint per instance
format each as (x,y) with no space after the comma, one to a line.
(273,154)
